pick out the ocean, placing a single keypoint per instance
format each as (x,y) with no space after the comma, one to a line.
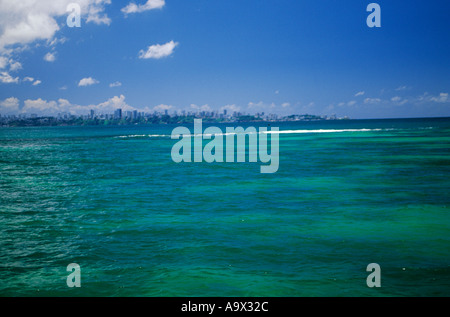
(111,199)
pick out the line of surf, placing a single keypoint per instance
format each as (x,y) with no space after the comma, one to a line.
(260,132)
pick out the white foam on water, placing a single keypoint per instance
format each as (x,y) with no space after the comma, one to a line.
(266,132)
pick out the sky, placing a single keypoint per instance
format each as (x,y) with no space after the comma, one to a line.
(282,57)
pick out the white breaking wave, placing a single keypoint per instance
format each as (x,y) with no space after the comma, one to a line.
(260,132)
(322,131)
(142,136)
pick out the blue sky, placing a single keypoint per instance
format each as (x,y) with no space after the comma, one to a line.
(283,57)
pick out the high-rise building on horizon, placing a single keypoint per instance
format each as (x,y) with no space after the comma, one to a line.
(118,114)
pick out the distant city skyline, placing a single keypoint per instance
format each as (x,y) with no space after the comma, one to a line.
(288,57)
(175,116)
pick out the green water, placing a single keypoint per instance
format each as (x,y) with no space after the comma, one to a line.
(112,200)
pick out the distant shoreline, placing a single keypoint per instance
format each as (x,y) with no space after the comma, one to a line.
(155,120)
(105,120)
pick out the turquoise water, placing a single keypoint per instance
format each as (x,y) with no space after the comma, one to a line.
(112,200)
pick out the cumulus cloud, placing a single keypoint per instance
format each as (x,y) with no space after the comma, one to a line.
(3,62)
(50,57)
(6,62)
(162,107)
(6,78)
(361,93)
(149,5)
(9,105)
(53,107)
(200,108)
(14,66)
(230,108)
(40,106)
(24,22)
(112,104)
(402,88)
(158,51)
(37,82)
(115,84)
(95,13)
(87,82)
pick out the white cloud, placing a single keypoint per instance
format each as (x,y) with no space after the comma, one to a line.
(50,57)
(31,80)
(443,97)
(13,66)
(87,82)
(9,105)
(158,51)
(399,100)
(201,108)
(277,92)
(351,103)
(253,105)
(137,8)
(230,108)
(3,62)
(110,105)
(402,88)
(6,78)
(257,107)
(40,106)
(372,100)
(361,93)
(24,22)
(162,107)
(56,41)
(116,84)
(95,13)
(44,107)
